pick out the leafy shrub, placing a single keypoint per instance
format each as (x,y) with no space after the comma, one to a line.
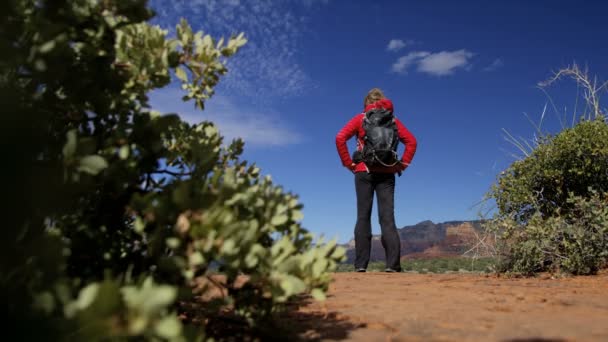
(552,203)
(117,211)
(576,243)
(573,162)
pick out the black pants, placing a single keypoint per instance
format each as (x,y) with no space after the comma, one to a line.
(384,187)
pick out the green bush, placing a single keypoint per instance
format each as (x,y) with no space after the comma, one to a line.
(551,205)
(115,211)
(573,162)
(576,243)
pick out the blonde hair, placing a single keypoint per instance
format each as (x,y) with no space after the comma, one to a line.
(372,96)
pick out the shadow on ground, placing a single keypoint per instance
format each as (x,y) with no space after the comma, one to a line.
(301,325)
(294,323)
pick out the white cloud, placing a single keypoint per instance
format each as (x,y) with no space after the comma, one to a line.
(438,64)
(444,62)
(260,128)
(267,66)
(404,62)
(497,63)
(396,45)
(255,127)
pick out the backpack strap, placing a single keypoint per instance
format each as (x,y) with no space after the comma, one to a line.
(387,165)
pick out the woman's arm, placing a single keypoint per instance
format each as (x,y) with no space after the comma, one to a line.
(347,132)
(408,139)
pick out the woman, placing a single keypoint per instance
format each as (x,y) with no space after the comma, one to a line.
(377,177)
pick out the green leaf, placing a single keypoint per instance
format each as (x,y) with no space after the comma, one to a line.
(318,294)
(160,297)
(87,296)
(150,298)
(319,267)
(338,253)
(45,302)
(292,285)
(181,74)
(229,247)
(123,152)
(169,327)
(70,145)
(251,259)
(279,219)
(297,215)
(196,259)
(139,225)
(138,324)
(48,46)
(92,164)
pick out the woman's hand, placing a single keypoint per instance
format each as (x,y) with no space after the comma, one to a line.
(352,167)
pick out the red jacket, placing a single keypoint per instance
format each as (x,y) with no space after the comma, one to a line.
(355,126)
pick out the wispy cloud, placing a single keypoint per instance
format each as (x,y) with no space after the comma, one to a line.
(437,64)
(444,62)
(268,64)
(257,127)
(404,62)
(396,45)
(496,64)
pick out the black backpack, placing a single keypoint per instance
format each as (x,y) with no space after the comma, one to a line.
(381,138)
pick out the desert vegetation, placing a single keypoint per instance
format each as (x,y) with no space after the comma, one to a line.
(118,214)
(123,223)
(552,212)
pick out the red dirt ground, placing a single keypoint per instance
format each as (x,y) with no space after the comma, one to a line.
(378,306)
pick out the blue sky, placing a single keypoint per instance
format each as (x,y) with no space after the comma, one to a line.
(458,73)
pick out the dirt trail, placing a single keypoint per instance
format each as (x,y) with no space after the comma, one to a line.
(378,306)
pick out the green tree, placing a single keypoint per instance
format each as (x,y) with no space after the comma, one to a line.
(116,211)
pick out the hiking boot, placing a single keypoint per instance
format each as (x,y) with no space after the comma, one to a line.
(361,270)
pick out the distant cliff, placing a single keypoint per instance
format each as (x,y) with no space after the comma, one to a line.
(428,239)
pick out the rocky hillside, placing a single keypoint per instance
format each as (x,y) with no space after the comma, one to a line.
(428,239)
